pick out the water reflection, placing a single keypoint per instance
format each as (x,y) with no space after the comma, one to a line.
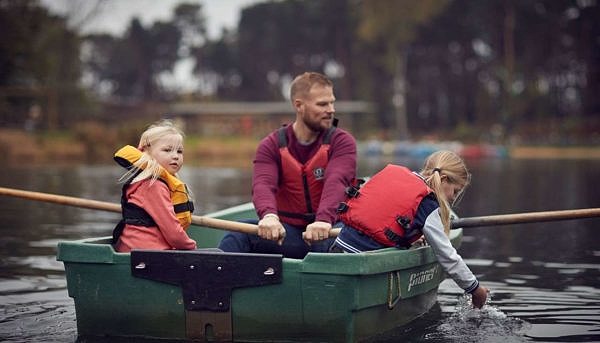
(544,277)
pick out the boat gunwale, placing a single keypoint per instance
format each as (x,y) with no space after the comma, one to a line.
(368,263)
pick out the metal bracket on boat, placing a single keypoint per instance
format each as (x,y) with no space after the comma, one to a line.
(391,301)
(207,279)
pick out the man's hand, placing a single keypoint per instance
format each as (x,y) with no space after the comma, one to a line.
(269,227)
(316,231)
(479,296)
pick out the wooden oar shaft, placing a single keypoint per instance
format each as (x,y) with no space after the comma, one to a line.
(528,217)
(111,207)
(225,224)
(62,200)
(502,219)
(517,218)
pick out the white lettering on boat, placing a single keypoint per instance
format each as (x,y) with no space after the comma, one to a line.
(421,277)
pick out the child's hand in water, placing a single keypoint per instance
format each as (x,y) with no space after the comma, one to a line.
(479,296)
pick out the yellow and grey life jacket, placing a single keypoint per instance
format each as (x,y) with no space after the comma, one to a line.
(135,215)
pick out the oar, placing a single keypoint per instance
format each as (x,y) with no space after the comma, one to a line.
(527,217)
(502,219)
(516,218)
(111,207)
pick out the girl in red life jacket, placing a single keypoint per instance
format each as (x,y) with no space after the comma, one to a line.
(414,206)
(149,219)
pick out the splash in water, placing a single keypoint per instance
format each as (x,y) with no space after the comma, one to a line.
(488,324)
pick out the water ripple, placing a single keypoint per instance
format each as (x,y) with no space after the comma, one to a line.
(490,324)
(47,316)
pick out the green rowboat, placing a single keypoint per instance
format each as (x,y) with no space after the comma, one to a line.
(213,296)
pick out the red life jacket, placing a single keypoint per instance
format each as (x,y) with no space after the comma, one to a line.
(385,207)
(301,185)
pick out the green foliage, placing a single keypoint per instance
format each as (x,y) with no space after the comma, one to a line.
(394,24)
(131,65)
(39,64)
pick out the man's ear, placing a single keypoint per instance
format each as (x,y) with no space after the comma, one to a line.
(298,103)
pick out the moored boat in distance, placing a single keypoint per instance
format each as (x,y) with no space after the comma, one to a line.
(215,296)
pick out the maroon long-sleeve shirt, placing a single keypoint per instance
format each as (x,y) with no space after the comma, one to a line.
(340,171)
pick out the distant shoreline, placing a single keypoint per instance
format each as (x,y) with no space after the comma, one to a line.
(18,147)
(549,152)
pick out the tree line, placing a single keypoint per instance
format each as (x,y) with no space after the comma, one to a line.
(429,65)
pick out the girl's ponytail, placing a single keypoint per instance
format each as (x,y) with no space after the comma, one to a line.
(448,164)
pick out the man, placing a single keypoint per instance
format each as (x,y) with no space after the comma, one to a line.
(300,174)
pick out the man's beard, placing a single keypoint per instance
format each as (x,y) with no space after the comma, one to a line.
(316,126)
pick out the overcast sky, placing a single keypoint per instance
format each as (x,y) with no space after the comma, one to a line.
(113,16)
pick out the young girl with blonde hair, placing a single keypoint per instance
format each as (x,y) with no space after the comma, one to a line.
(397,207)
(155,203)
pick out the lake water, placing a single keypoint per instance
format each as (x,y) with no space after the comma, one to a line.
(544,277)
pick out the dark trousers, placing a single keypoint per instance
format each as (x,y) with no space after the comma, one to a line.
(293,245)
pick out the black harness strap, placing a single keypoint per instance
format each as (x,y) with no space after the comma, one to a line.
(281,136)
(399,240)
(132,214)
(183,207)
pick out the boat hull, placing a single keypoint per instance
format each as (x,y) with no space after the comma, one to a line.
(324,297)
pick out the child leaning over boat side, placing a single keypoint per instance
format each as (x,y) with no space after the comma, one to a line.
(155,204)
(397,207)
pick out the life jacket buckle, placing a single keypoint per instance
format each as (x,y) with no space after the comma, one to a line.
(358,182)
(342,207)
(352,191)
(404,222)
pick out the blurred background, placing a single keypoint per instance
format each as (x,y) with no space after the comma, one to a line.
(80,77)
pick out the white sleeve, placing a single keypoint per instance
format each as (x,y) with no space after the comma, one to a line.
(453,264)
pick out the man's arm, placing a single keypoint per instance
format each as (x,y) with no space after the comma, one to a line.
(265,177)
(340,171)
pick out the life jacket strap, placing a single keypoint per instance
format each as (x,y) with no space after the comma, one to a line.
(400,241)
(282,139)
(117,231)
(132,215)
(342,207)
(329,134)
(184,207)
(135,215)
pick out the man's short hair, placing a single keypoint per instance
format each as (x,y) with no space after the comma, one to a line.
(304,82)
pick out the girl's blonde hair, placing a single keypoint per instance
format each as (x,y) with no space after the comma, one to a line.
(449,164)
(147,167)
